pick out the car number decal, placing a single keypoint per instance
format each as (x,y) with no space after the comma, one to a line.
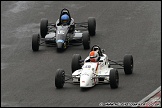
(87,66)
(61,32)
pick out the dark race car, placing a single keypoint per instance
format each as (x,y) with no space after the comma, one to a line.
(64,32)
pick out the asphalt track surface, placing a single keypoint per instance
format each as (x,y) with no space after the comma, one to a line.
(27,77)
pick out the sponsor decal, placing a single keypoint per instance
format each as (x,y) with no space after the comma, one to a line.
(85,74)
(102,64)
(83,81)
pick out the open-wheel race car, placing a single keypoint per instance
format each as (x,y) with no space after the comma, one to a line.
(65,32)
(88,74)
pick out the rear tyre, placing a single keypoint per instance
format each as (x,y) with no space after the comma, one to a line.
(35,42)
(75,64)
(128,64)
(43,27)
(60,78)
(92,26)
(114,78)
(86,40)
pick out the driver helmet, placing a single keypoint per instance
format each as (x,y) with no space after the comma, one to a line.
(64,19)
(93,55)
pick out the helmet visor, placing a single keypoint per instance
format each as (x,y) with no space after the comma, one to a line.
(93,59)
(95,48)
(64,21)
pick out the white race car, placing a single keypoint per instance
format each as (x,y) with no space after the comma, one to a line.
(88,74)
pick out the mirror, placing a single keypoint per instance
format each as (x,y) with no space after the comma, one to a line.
(103,50)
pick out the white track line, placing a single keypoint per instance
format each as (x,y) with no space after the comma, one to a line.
(150,95)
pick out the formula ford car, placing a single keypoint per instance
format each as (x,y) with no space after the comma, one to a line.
(62,35)
(88,74)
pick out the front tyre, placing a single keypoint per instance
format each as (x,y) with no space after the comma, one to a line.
(75,64)
(43,27)
(86,40)
(92,26)
(128,64)
(35,42)
(60,78)
(114,78)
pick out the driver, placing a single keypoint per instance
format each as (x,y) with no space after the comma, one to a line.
(65,19)
(94,56)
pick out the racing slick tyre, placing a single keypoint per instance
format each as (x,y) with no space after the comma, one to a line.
(86,40)
(128,64)
(60,78)
(35,42)
(114,78)
(43,27)
(92,26)
(75,64)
